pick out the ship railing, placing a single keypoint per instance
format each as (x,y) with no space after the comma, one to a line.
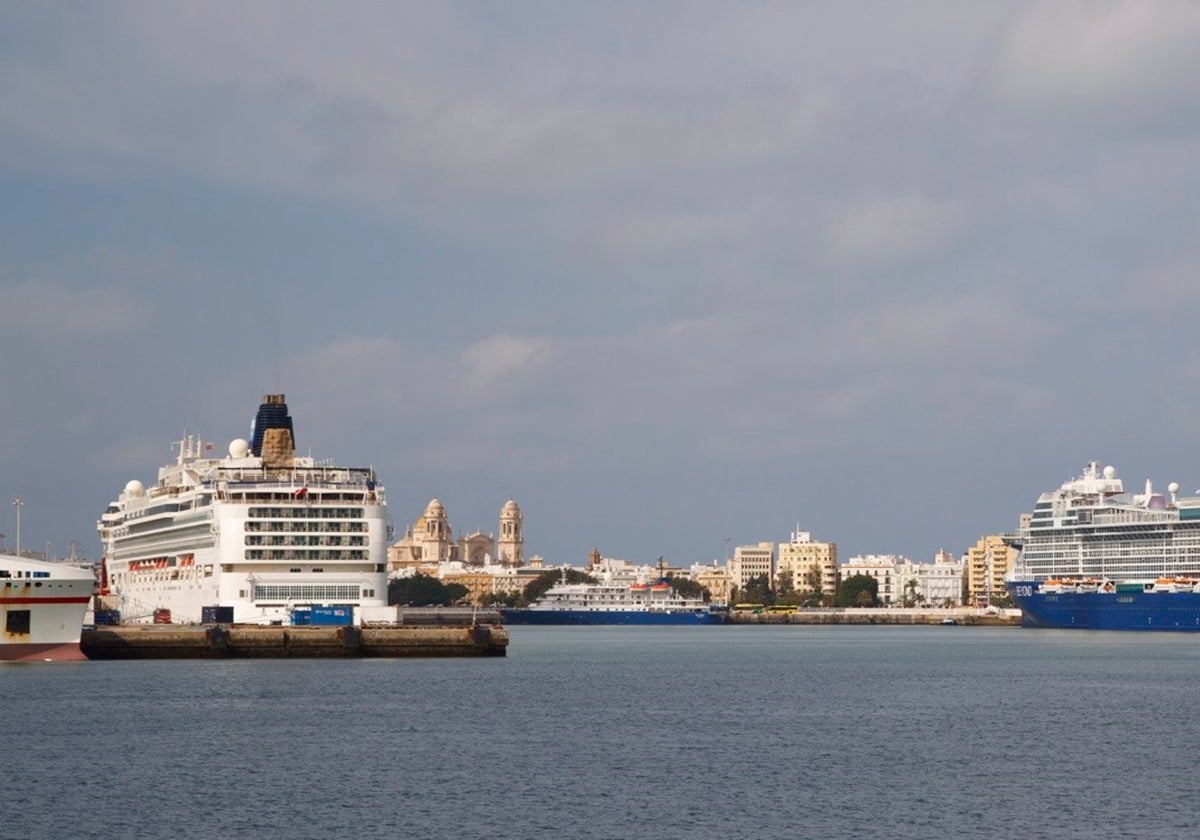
(297,480)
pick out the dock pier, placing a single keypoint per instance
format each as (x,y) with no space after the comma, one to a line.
(237,641)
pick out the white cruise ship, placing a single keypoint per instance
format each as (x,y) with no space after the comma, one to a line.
(611,602)
(260,530)
(41,609)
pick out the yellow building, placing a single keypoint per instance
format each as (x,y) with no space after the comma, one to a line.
(988,561)
(716,580)
(493,580)
(751,561)
(807,566)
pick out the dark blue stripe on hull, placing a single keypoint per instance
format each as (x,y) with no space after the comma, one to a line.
(597,617)
(1098,611)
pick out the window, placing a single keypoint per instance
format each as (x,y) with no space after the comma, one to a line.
(305,592)
(17,621)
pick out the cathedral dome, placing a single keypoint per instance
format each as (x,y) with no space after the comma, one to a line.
(434,509)
(510,507)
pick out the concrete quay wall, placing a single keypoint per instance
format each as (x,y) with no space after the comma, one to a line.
(862,615)
(259,642)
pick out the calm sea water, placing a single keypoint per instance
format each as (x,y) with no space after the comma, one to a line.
(830,732)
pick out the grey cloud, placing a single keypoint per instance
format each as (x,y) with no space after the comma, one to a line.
(51,310)
(683,239)
(1110,64)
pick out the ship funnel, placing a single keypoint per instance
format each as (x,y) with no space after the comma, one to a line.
(272,437)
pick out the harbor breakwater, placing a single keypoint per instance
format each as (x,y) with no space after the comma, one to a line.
(150,641)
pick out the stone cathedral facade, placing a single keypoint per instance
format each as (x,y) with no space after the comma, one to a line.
(429,542)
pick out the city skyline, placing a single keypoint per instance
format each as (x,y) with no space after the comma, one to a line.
(667,274)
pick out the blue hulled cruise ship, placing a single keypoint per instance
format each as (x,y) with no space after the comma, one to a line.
(1096,558)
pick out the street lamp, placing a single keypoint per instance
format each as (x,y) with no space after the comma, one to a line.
(18,504)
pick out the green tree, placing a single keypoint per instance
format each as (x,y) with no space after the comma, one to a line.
(688,588)
(1002,600)
(785,585)
(858,591)
(813,596)
(424,591)
(503,599)
(757,591)
(537,587)
(791,598)
(912,594)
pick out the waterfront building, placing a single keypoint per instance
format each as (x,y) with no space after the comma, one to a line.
(716,579)
(881,567)
(623,571)
(751,561)
(987,563)
(807,566)
(935,584)
(492,579)
(429,543)
(903,582)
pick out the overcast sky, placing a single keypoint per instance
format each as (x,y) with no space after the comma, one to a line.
(664,273)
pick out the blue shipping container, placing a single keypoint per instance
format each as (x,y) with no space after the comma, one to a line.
(107,617)
(301,616)
(216,615)
(333,616)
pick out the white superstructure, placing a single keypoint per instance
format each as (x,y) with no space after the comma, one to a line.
(41,608)
(1090,528)
(260,530)
(616,596)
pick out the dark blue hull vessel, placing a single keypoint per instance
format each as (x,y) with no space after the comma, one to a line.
(609,617)
(1121,610)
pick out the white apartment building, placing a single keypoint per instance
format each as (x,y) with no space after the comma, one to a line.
(882,567)
(901,580)
(935,584)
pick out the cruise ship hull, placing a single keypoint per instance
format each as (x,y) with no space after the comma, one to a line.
(609,617)
(42,606)
(1178,611)
(47,652)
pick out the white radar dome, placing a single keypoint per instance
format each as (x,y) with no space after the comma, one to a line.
(1110,472)
(238,448)
(1173,487)
(134,488)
